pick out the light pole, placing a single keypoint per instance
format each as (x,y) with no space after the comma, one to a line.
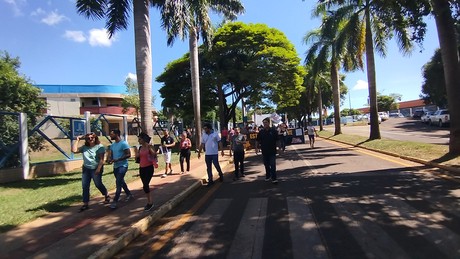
(349,102)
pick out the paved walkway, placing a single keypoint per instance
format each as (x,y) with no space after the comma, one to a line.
(100,232)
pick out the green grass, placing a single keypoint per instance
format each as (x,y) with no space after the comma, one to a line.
(23,201)
(423,151)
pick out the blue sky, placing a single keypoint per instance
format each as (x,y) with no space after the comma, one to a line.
(58,46)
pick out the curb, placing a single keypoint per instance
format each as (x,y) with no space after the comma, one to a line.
(114,246)
(413,159)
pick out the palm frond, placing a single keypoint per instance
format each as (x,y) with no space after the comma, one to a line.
(95,9)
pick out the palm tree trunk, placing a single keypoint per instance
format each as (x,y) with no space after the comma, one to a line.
(320,108)
(371,79)
(448,43)
(143,62)
(194,67)
(336,97)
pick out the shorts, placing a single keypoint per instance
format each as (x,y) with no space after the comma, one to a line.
(167,157)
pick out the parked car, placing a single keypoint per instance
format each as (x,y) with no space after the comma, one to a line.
(440,118)
(368,116)
(384,116)
(426,117)
(418,114)
(396,115)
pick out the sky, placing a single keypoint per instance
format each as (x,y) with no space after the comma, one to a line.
(56,45)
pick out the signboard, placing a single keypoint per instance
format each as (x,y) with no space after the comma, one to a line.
(78,127)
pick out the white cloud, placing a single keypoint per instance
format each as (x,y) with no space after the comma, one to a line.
(360,85)
(38,12)
(100,37)
(54,18)
(77,36)
(15,5)
(132,76)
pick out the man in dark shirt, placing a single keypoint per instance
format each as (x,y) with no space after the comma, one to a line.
(266,141)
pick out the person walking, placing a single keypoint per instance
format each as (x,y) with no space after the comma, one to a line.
(185,146)
(210,142)
(147,156)
(266,141)
(282,133)
(237,146)
(167,143)
(93,166)
(311,132)
(119,153)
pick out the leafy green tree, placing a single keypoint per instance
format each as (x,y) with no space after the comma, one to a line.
(434,85)
(18,95)
(116,15)
(131,99)
(257,64)
(386,103)
(349,112)
(191,18)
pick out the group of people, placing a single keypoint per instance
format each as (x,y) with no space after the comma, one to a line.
(93,153)
(118,153)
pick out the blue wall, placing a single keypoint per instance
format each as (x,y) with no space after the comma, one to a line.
(68,89)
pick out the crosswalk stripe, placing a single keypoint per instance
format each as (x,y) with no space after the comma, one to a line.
(306,239)
(426,225)
(249,237)
(191,242)
(374,241)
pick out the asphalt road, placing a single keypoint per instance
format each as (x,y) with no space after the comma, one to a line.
(402,129)
(332,201)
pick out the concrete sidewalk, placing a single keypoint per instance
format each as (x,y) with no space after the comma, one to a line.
(100,232)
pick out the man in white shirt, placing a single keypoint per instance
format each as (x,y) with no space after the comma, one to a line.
(210,141)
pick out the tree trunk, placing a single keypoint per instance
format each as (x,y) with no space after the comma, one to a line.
(371,80)
(143,62)
(195,74)
(222,106)
(449,52)
(336,97)
(320,108)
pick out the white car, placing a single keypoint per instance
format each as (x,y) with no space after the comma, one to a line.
(426,116)
(384,116)
(368,116)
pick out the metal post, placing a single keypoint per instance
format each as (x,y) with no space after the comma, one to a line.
(24,144)
(87,122)
(125,127)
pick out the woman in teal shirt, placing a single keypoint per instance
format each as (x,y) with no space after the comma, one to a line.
(93,166)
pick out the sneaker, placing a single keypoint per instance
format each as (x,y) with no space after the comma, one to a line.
(170,172)
(187,172)
(267,179)
(83,208)
(181,172)
(113,205)
(163,175)
(129,197)
(275,181)
(210,183)
(148,207)
(107,199)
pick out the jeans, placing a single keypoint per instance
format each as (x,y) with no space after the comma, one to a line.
(212,159)
(86,176)
(270,166)
(120,173)
(238,161)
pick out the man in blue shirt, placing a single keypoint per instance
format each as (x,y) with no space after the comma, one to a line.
(119,153)
(210,141)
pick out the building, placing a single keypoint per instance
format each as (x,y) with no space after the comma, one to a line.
(408,108)
(75,100)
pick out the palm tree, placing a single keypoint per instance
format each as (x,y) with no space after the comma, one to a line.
(182,18)
(116,14)
(367,33)
(450,57)
(328,50)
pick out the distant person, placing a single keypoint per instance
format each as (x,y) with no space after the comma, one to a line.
(224,136)
(167,143)
(282,132)
(266,141)
(185,146)
(93,166)
(146,156)
(311,132)
(229,138)
(119,153)
(210,142)
(237,146)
